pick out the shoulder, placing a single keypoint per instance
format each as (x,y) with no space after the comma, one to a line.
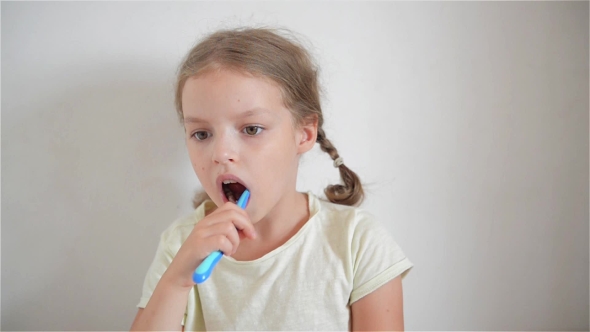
(350,227)
(176,233)
(350,217)
(361,228)
(370,252)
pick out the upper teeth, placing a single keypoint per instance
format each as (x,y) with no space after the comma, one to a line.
(229,181)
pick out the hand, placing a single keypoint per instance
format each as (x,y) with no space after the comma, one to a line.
(221,230)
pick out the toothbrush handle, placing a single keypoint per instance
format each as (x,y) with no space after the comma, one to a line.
(206,267)
(204,270)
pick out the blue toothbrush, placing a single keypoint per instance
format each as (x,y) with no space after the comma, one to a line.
(204,270)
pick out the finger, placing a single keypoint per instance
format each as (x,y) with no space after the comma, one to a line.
(228,229)
(220,242)
(239,218)
(226,211)
(245,227)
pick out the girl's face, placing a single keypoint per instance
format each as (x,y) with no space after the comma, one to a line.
(238,129)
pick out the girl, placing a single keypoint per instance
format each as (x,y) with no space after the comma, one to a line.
(249,103)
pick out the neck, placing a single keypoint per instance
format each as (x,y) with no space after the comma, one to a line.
(277,227)
(291,211)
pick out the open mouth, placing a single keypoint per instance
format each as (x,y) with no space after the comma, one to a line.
(232,190)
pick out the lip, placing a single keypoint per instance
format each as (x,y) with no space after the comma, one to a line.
(224,177)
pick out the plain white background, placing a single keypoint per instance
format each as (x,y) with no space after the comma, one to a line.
(468,122)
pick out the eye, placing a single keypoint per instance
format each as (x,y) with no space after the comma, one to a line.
(201,135)
(253,130)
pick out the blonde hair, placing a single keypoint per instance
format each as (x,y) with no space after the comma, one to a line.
(266,53)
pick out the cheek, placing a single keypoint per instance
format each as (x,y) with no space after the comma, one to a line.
(201,171)
(198,165)
(199,168)
(279,158)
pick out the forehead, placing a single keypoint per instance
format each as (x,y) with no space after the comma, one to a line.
(229,89)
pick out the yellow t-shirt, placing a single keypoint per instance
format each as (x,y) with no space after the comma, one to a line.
(340,255)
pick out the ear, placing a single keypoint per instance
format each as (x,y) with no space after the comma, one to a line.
(307,134)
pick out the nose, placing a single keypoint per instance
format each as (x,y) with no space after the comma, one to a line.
(224,149)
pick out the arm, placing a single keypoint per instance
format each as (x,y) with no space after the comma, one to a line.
(380,310)
(168,301)
(139,312)
(164,311)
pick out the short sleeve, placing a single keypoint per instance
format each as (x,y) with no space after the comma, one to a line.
(161,261)
(376,257)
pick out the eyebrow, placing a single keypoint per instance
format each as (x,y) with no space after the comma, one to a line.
(246,114)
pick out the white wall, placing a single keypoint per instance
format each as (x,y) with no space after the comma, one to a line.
(469,121)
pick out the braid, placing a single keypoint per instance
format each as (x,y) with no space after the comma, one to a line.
(351,193)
